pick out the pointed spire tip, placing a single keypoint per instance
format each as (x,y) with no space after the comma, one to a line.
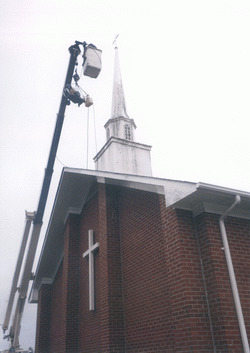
(114,42)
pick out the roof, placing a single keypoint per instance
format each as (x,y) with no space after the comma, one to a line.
(73,192)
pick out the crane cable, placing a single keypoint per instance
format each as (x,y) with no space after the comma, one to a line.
(94,123)
(64,165)
(87,157)
(80,89)
(95,130)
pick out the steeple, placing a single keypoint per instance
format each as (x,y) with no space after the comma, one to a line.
(118,101)
(120,125)
(121,154)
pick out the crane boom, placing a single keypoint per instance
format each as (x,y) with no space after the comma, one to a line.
(74,51)
(37,217)
(29,218)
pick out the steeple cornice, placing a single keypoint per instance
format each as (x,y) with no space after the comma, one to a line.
(112,120)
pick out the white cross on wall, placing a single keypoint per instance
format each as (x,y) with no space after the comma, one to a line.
(90,253)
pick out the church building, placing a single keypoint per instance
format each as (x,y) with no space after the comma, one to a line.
(132,263)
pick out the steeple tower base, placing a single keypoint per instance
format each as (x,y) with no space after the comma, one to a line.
(123,156)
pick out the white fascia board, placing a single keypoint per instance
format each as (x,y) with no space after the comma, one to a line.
(177,190)
(222,189)
(174,190)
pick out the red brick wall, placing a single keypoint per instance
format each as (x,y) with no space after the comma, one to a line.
(89,321)
(146,292)
(164,297)
(65,294)
(58,322)
(161,280)
(101,330)
(43,319)
(73,328)
(71,282)
(191,329)
(111,299)
(223,316)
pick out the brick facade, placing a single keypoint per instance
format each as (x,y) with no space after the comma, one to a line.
(219,293)
(43,319)
(161,281)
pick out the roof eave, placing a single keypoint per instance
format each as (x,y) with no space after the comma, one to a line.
(215,199)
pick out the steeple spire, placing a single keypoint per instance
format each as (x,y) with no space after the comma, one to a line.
(121,154)
(118,101)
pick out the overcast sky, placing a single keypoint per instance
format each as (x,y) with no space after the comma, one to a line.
(186,74)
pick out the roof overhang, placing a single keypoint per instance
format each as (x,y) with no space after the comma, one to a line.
(76,187)
(215,199)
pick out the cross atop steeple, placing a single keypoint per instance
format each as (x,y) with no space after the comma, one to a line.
(114,42)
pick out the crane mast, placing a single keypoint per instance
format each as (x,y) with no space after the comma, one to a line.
(91,68)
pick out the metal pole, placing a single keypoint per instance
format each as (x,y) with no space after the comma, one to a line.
(26,277)
(29,218)
(38,218)
(232,277)
(74,51)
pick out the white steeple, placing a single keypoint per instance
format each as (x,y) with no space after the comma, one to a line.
(120,153)
(118,101)
(120,125)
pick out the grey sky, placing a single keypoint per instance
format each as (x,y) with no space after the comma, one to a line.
(186,76)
